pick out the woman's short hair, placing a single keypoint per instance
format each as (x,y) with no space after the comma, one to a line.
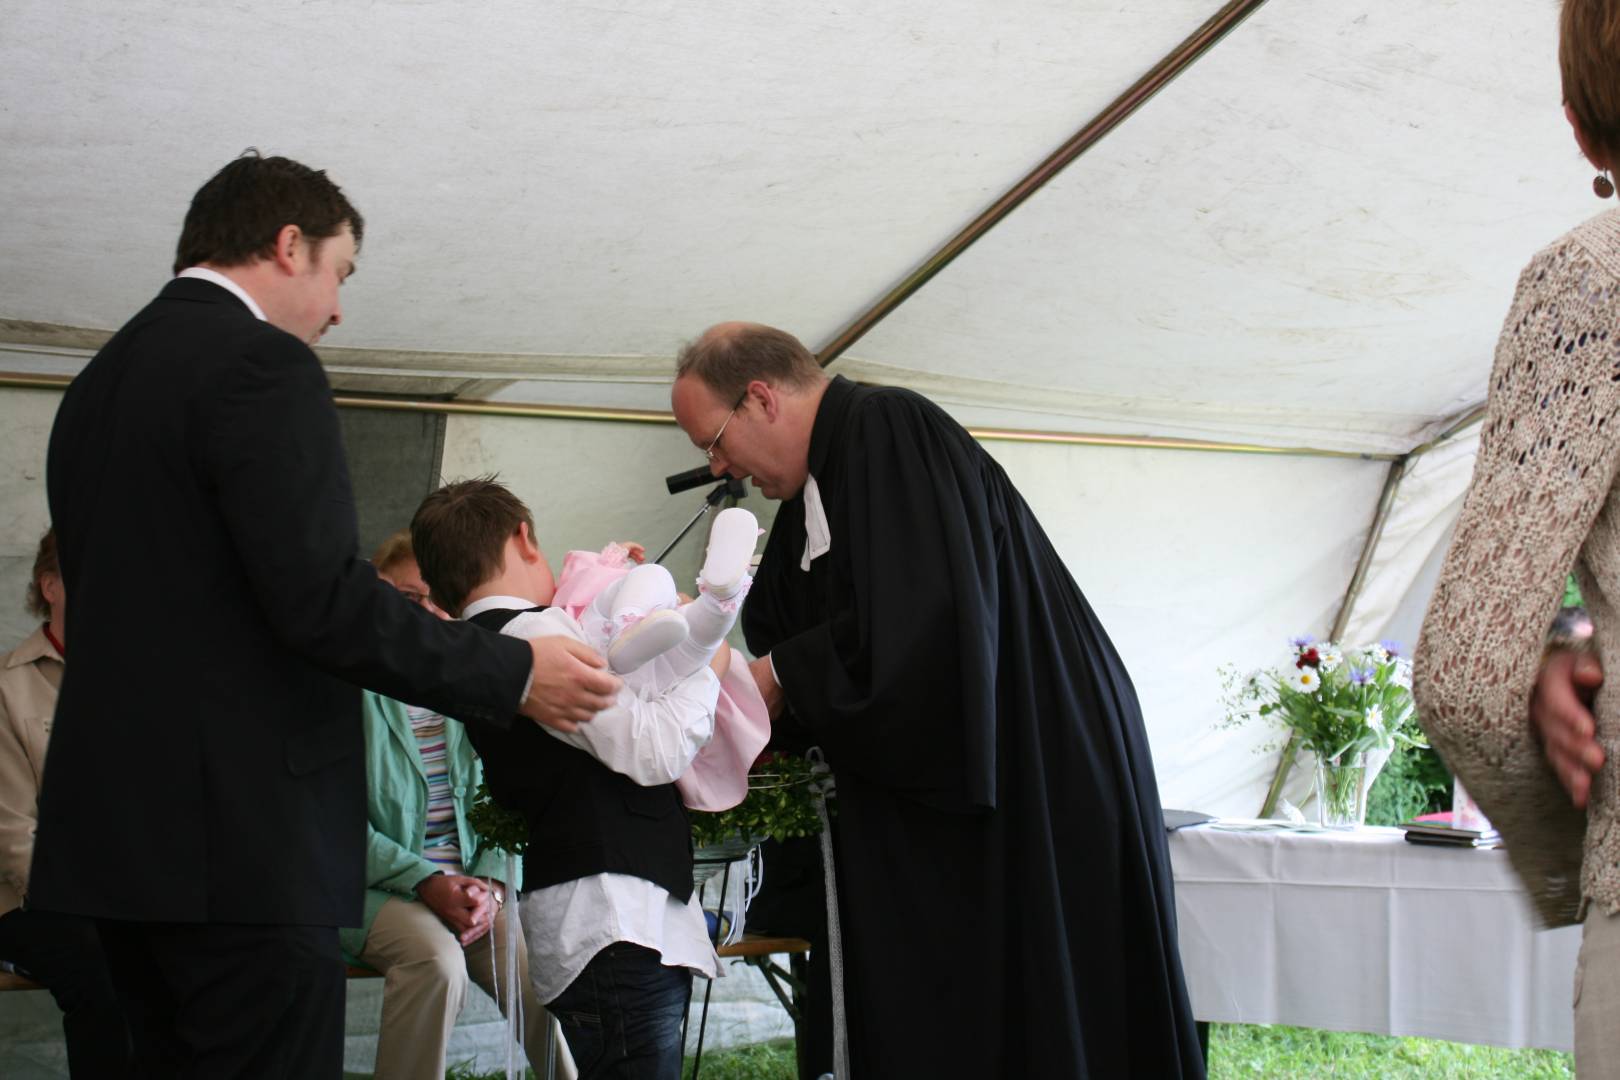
(45,562)
(393,551)
(1589,59)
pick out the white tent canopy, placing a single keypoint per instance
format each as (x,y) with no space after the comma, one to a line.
(1307,240)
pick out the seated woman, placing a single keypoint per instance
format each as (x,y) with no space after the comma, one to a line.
(435,916)
(62,952)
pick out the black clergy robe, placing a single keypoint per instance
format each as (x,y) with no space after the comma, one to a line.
(1003,878)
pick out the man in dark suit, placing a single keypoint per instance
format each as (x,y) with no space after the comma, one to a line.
(204,793)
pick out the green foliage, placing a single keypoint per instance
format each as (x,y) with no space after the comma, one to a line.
(1284,1053)
(778,805)
(495,825)
(763,1061)
(1414,781)
(1572,593)
(1272,1052)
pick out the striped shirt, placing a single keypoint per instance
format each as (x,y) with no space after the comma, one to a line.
(441,842)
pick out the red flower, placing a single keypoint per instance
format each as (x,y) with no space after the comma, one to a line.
(1309,658)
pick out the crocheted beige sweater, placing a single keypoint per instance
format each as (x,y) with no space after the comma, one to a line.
(1543,500)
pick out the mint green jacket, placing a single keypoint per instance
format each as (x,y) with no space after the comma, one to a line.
(396,811)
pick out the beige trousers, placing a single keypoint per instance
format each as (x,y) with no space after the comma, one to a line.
(425,977)
(1597,997)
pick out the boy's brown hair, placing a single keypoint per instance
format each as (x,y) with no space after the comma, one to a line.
(460,533)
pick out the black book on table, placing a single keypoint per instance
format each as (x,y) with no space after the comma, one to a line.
(1442,832)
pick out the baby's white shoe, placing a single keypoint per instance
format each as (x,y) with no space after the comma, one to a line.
(654,635)
(731,549)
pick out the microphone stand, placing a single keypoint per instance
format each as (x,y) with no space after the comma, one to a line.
(729,486)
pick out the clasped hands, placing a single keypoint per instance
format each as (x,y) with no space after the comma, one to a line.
(466,905)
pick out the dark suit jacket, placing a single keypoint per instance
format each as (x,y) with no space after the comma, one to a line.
(206,763)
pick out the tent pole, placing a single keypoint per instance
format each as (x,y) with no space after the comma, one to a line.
(1174,63)
(1462,420)
(1386,502)
(27,381)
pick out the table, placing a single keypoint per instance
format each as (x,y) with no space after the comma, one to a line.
(1362,931)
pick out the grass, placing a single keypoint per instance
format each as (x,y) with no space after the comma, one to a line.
(1239,1050)
(1244,1050)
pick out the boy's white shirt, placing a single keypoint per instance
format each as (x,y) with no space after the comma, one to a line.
(648,736)
(651,740)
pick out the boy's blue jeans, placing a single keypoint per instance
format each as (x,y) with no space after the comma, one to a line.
(622,1016)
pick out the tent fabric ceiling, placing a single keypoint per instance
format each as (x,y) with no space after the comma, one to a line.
(1308,238)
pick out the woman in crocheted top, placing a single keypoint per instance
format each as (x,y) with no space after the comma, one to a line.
(1544,500)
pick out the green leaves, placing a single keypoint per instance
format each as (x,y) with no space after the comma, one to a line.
(779,805)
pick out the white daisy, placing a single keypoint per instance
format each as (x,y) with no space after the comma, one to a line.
(1330,655)
(1375,718)
(1305,680)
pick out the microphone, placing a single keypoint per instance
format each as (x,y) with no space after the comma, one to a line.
(691,478)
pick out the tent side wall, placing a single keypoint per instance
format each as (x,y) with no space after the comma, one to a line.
(1192,560)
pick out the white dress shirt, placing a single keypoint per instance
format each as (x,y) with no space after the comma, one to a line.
(651,740)
(202,273)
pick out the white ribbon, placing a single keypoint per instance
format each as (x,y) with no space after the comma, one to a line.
(823,787)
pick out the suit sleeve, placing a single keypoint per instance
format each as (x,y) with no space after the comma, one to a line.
(900,684)
(275,460)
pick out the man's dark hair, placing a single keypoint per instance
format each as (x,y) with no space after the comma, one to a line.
(235,217)
(460,533)
(728,357)
(45,562)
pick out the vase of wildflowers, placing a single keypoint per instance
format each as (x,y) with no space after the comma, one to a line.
(1348,706)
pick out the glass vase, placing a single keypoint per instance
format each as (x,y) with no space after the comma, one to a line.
(1341,790)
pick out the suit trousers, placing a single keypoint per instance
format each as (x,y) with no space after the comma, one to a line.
(212,1000)
(63,954)
(426,975)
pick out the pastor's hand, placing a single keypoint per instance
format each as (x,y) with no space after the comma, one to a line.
(768,688)
(1561,714)
(570,684)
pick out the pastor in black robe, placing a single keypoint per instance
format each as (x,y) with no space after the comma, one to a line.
(1004,884)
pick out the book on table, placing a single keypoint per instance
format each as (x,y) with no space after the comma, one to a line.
(1438,829)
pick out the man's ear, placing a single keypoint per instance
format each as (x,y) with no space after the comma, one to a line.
(763,392)
(289,249)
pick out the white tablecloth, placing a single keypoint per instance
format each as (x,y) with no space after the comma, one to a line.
(1363,931)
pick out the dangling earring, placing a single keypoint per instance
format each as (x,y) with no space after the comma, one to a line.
(1602,186)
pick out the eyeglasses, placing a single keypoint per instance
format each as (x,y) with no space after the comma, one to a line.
(708,451)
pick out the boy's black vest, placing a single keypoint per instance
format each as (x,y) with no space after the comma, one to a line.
(584,819)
